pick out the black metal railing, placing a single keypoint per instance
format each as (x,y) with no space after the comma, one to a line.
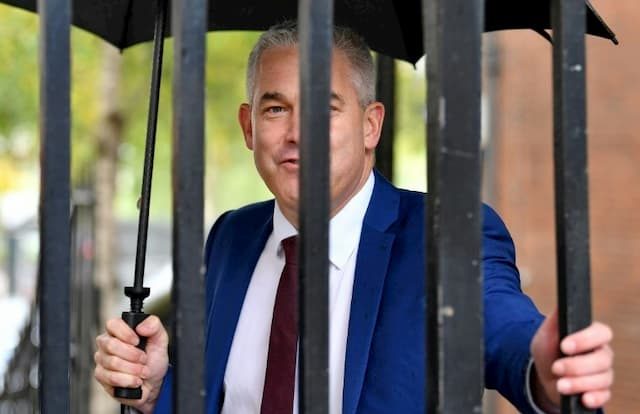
(454,283)
(189,20)
(21,386)
(386,93)
(570,160)
(55,169)
(453,36)
(316,45)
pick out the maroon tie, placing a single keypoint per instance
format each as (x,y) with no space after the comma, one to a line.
(280,378)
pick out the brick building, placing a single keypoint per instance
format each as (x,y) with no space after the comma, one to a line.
(522,177)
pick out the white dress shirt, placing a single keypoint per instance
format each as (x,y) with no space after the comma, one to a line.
(247,364)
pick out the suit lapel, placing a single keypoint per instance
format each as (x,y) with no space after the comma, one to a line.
(236,272)
(374,253)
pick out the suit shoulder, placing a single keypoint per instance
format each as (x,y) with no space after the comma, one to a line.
(246,216)
(410,197)
(413,203)
(410,210)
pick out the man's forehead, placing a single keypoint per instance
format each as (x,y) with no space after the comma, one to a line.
(293,52)
(286,59)
(277,96)
(277,75)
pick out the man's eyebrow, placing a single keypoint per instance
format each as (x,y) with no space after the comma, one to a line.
(337,97)
(272,96)
(277,96)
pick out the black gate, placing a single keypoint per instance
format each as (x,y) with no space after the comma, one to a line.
(453,38)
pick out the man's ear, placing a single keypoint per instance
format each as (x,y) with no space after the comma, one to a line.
(373,119)
(244,118)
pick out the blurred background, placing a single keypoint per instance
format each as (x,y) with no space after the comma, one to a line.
(109,104)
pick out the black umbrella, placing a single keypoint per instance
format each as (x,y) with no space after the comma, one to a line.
(391,27)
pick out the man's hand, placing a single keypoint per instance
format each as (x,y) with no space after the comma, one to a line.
(120,364)
(586,367)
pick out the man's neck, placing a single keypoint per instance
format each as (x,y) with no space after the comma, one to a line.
(291,214)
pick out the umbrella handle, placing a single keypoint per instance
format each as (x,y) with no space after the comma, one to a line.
(132,319)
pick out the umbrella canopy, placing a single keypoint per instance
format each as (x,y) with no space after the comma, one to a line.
(391,27)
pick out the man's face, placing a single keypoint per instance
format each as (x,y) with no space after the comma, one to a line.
(271,129)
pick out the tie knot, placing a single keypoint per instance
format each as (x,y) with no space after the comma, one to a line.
(290,247)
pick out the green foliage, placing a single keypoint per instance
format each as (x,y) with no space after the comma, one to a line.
(19,57)
(19,89)
(18,96)
(231,179)
(85,101)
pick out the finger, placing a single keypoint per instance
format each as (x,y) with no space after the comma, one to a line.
(153,329)
(116,379)
(577,385)
(100,339)
(595,336)
(596,399)
(113,346)
(113,363)
(119,329)
(594,362)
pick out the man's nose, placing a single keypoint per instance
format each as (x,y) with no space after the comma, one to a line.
(293,129)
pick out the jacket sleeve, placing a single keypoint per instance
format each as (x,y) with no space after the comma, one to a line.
(511,318)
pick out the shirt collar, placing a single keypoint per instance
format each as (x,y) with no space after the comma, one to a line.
(344,228)
(281,228)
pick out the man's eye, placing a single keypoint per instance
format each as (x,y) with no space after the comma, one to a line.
(275,109)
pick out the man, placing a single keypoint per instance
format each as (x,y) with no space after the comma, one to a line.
(376,277)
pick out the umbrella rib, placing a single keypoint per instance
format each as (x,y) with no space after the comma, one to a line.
(544,34)
(125,28)
(612,35)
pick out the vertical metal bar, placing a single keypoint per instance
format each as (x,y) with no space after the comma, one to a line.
(454,279)
(12,261)
(571,181)
(316,43)
(83,299)
(386,91)
(55,244)
(189,28)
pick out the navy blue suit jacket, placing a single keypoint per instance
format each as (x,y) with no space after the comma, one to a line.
(385,357)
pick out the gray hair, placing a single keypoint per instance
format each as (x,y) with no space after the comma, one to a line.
(344,39)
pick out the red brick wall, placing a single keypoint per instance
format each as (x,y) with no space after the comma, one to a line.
(524,177)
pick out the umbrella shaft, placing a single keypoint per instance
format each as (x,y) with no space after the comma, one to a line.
(152,121)
(125,409)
